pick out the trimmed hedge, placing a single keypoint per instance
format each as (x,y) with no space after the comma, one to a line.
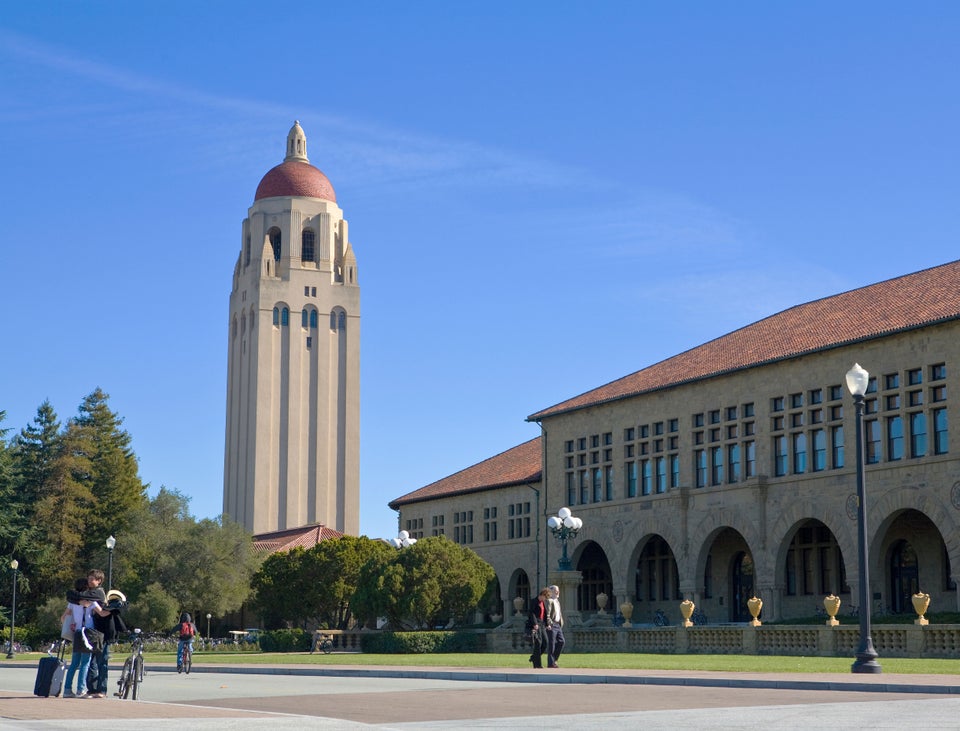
(286,640)
(418,643)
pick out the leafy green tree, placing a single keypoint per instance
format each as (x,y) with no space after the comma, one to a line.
(204,566)
(426,584)
(314,586)
(153,610)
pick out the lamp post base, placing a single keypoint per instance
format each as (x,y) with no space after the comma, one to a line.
(866,661)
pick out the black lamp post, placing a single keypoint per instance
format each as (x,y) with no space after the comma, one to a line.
(564,526)
(14,565)
(111,542)
(857,381)
(208,624)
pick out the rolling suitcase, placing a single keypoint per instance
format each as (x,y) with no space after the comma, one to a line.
(50,673)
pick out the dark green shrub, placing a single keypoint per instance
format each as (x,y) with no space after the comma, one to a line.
(285,640)
(416,643)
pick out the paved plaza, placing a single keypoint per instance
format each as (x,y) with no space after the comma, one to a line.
(349,697)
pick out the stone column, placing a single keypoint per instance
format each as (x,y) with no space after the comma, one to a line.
(567,582)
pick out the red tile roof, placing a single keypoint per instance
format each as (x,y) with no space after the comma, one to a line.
(904,303)
(516,466)
(283,540)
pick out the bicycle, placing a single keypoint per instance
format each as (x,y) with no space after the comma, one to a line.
(131,676)
(186,661)
(324,643)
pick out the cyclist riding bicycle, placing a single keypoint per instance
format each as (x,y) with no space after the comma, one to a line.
(187,630)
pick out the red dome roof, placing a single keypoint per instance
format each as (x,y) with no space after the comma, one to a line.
(293,178)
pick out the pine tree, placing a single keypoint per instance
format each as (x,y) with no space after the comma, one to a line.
(113,476)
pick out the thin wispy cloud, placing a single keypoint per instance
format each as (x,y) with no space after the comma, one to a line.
(369,150)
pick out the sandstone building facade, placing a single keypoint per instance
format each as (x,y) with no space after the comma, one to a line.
(729,470)
(291,455)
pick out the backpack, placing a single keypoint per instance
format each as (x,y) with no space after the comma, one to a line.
(186,630)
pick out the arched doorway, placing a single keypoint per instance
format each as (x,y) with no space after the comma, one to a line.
(741,577)
(904,577)
(595,570)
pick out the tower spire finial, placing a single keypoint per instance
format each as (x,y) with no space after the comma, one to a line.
(296,144)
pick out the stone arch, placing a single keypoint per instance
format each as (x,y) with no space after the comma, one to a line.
(794,515)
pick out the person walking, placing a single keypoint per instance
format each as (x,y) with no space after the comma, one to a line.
(554,627)
(538,622)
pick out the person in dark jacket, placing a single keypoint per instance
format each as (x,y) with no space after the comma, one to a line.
(186,630)
(538,618)
(113,627)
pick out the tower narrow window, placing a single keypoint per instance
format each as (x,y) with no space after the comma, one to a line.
(285,317)
(246,251)
(304,319)
(275,242)
(276,316)
(313,319)
(308,245)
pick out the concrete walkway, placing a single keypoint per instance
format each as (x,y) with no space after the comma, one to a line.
(350,697)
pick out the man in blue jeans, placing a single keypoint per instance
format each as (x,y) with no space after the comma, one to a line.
(112,626)
(187,630)
(554,627)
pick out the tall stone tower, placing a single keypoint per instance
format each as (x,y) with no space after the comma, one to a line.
(293,364)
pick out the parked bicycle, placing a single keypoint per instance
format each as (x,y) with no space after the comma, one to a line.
(660,619)
(322,643)
(131,676)
(698,617)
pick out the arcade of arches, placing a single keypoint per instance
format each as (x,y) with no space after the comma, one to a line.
(720,575)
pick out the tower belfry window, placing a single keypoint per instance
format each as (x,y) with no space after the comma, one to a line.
(275,242)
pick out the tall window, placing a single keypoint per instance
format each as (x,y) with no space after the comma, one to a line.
(819,450)
(275,243)
(780,456)
(246,251)
(872,439)
(674,470)
(836,435)
(645,477)
(631,477)
(799,453)
(716,460)
(661,475)
(940,441)
(308,245)
(597,485)
(733,463)
(700,462)
(750,458)
(895,438)
(609,482)
(918,433)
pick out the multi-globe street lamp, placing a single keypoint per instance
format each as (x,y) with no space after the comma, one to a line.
(14,565)
(403,540)
(857,381)
(564,526)
(111,542)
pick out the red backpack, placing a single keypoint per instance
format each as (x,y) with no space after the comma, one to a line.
(186,630)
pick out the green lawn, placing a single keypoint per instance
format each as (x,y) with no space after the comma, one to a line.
(611,660)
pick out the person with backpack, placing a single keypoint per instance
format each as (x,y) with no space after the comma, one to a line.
(187,631)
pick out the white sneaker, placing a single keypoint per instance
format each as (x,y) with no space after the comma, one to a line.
(84,694)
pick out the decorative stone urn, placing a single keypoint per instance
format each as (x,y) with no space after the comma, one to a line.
(755,604)
(626,609)
(921,603)
(518,605)
(601,603)
(832,605)
(686,611)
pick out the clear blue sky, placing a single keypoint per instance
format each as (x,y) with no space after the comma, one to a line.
(542,197)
